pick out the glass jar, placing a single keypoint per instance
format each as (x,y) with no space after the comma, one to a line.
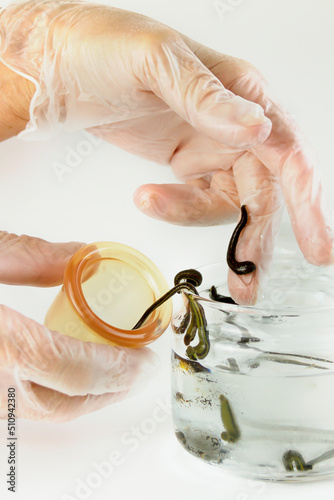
(261,402)
(107,287)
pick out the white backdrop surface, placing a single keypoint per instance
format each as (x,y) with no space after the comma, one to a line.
(292,43)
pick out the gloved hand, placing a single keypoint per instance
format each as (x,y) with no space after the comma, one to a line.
(154,92)
(57,378)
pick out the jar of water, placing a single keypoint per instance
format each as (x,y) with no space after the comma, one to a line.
(260,400)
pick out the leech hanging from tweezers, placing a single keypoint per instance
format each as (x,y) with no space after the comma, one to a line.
(194,320)
(184,280)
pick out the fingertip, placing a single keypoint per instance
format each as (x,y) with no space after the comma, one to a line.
(243,289)
(251,126)
(186,204)
(262,131)
(254,135)
(254,118)
(141,197)
(137,195)
(149,201)
(319,250)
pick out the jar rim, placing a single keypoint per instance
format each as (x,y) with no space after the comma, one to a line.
(257,310)
(156,324)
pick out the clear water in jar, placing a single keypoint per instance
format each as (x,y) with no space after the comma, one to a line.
(263,408)
(272,416)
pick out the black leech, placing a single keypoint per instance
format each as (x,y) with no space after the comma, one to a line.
(232,431)
(202,349)
(185,280)
(190,332)
(293,460)
(194,320)
(214,295)
(194,366)
(245,267)
(189,276)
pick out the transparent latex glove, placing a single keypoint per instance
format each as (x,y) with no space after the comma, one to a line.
(156,93)
(57,378)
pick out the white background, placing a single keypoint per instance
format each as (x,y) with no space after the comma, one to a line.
(292,42)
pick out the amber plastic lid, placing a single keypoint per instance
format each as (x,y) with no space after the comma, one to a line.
(110,285)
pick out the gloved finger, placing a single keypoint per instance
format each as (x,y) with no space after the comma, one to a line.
(173,72)
(198,155)
(210,195)
(196,204)
(291,159)
(288,155)
(68,365)
(25,260)
(43,404)
(259,190)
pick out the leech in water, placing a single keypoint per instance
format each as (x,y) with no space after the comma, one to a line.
(293,460)
(247,266)
(198,318)
(245,340)
(191,327)
(232,432)
(232,366)
(214,295)
(288,355)
(184,280)
(191,366)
